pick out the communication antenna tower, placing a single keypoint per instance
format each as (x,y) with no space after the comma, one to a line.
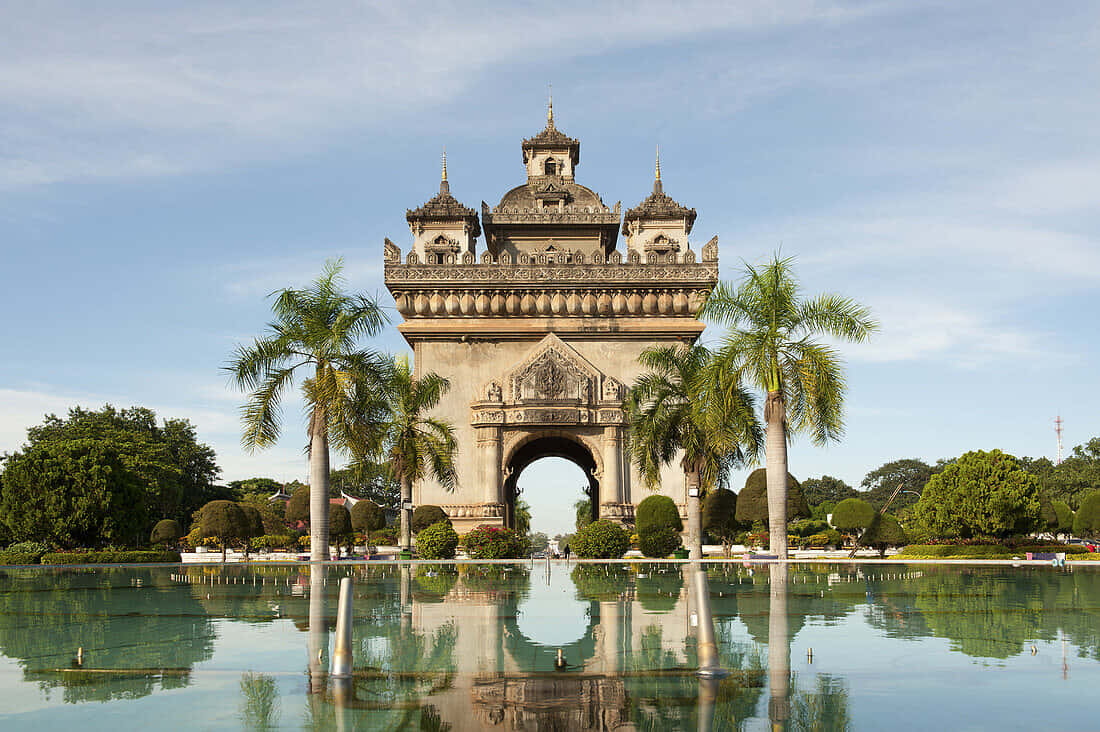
(1058,432)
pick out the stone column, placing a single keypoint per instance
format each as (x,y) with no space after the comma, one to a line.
(610,484)
(489,450)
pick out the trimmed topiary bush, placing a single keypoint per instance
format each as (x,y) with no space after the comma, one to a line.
(601,539)
(224,521)
(885,531)
(254,519)
(425,516)
(1087,521)
(167,531)
(752,501)
(658,543)
(297,508)
(367,516)
(853,515)
(494,542)
(656,512)
(339,526)
(720,516)
(438,541)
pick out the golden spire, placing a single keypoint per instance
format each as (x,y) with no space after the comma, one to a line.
(445,165)
(657,187)
(550,108)
(658,172)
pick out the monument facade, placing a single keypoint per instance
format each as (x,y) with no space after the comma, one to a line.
(539,330)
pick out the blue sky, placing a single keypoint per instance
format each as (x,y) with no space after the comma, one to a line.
(164,167)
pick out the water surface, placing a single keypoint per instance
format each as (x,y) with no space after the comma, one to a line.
(469,646)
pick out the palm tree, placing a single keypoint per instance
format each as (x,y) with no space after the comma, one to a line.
(415,444)
(770,343)
(317,330)
(681,405)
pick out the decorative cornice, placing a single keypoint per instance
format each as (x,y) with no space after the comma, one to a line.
(633,274)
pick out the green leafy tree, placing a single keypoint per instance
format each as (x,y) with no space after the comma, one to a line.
(911,474)
(771,343)
(370,480)
(539,541)
(826,488)
(1087,521)
(981,494)
(265,486)
(753,502)
(417,445)
(176,472)
(1074,478)
(224,521)
(316,330)
(1065,517)
(720,517)
(523,518)
(853,515)
(74,493)
(679,406)
(272,513)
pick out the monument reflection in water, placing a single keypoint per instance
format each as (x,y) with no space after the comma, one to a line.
(468,646)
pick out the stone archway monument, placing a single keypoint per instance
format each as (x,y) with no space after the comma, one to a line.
(539,334)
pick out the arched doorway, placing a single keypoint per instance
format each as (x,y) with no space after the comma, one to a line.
(542,446)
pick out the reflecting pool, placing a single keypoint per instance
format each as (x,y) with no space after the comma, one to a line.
(473,646)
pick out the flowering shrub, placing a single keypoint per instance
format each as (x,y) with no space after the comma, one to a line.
(757,539)
(269,542)
(384,537)
(491,542)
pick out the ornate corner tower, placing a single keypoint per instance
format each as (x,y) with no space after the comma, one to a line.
(540,335)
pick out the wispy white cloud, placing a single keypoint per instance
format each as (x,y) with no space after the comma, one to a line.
(153,90)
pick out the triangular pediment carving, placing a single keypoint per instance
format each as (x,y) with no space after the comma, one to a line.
(552,372)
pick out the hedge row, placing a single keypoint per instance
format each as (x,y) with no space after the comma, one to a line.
(984,551)
(18,558)
(111,557)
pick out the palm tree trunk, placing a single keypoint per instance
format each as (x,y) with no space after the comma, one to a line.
(779,649)
(406,515)
(775,449)
(318,489)
(695,516)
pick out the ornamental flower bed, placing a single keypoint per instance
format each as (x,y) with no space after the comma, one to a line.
(492,542)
